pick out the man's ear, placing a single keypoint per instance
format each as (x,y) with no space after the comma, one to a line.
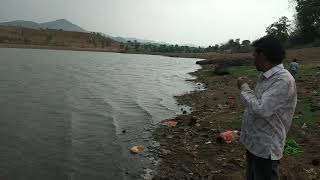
(264,58)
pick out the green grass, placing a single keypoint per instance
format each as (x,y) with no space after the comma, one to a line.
(306,71)
(309,117)
(249,71)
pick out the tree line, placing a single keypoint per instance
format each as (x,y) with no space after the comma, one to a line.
(233,45)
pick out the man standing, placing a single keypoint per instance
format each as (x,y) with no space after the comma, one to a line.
(269,110)
(293,68)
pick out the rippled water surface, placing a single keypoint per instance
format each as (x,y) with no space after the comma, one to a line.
(63,112)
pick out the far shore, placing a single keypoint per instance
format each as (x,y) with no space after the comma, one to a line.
(114,50)
(23,46)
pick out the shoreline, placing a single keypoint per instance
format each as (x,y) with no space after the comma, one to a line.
(111,50)
(190,150)
(23,46)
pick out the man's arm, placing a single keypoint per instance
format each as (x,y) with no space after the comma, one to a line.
(271,99)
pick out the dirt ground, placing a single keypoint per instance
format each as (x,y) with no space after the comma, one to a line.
(190,149)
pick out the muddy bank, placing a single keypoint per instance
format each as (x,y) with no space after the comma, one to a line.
(190,150)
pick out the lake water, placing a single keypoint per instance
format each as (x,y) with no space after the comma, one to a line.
(62,113)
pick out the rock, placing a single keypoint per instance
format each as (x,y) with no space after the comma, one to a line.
(169,136)
(192,121)
(225,164)
(297,117)
(304,126)
(165,152)
(315,162)
(155,145)
(221,70)
(215,130)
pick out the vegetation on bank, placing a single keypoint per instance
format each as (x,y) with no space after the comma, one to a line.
(54,38)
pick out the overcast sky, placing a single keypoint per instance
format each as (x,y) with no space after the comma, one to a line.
(200,22)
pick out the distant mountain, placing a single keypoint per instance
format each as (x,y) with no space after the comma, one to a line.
(143,41)
(57,24)
(21,23)
(62,24)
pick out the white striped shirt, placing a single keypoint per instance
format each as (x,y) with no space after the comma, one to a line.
(269,113)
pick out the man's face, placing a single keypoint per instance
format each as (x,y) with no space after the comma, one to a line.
(258,60)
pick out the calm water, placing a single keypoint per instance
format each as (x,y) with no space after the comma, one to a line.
(62,112)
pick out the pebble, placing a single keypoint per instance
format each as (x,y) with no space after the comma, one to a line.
(315,162)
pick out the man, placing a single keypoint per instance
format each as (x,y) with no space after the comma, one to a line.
(269,110)
(293,68)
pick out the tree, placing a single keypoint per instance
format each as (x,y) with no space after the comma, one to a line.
(245,43)
(308,19)
(279,29)
(121,46)
(136,45)
(108,42)
(49,37)
(232,45)
(245,46)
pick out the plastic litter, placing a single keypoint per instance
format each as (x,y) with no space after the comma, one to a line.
(137,149)
(170,123)
(229,136)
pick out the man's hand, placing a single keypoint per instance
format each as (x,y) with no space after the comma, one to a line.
(242,80)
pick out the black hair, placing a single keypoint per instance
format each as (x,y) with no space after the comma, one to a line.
(271,48)
(294,60)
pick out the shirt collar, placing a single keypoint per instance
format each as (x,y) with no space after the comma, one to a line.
(273,70)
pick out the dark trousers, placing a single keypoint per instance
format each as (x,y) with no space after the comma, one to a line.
(261,169)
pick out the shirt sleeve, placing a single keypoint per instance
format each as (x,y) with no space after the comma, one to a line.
(271,99)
